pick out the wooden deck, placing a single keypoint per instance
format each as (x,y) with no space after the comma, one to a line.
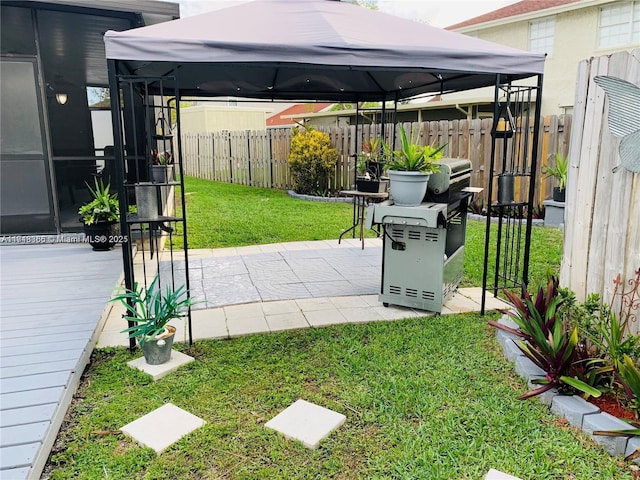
(53,300)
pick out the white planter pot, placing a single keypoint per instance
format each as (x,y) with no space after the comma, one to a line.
(408,188)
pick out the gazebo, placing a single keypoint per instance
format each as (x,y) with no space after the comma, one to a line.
(311,50)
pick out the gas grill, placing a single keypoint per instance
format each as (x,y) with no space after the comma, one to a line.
(423,246)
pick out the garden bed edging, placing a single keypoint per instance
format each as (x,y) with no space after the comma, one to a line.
(577,411)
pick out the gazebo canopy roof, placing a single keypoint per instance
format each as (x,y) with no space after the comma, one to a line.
(313,50)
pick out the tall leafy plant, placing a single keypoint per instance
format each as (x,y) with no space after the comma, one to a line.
(560,171)
(413,157)
(103,207)
(149,309)
(545,340)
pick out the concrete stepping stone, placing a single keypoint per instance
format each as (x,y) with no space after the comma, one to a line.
(307,422)
(162,427)
(498,475)
(177,360)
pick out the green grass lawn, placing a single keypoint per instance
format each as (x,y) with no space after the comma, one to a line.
(427,398)
(227,215)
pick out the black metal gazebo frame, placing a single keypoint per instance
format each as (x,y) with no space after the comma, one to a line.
(375,59)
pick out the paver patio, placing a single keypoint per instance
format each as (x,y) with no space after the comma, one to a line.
(270,288)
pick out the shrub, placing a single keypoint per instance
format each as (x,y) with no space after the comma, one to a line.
(311,161)
(546,340)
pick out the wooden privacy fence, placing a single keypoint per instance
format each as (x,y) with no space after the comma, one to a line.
(259,158)
(602,213)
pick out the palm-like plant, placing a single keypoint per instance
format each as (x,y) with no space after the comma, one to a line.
(150,310)
(559,172)
(415,158)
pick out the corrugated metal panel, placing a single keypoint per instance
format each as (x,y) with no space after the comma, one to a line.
(624,105)
(624,118)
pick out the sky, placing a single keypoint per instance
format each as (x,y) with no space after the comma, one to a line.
(439,13)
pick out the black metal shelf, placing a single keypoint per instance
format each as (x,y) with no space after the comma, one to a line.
(175,183)
(510,204)
(133,218)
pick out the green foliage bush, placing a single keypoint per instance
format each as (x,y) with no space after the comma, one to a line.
(311,161)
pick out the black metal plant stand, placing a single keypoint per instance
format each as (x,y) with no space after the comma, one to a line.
(514,153)
(159,217)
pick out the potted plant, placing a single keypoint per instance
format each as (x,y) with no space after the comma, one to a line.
(151,310)
(409,171)
(370,166)
(162,166)
(559,172)
(100,216)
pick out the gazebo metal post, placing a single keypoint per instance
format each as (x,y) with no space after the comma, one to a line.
(127,256)
(532,183)
(184,209)
(487,234)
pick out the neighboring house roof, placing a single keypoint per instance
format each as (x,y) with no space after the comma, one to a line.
(520,8)
(285,117)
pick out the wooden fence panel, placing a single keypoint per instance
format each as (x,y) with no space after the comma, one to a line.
(602,211)
(260,158)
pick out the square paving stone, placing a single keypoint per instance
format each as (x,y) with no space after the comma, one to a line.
(281,291)
(247,326)
(458,303)
(315,304)
(223,267)
(360,315)
(286,321)
(330,289)
(163,427)
(320,318)
(281,306)
(498,475)
(307,422)
(177,360)
(209,323)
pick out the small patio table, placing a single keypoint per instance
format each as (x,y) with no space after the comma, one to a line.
(360,202)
